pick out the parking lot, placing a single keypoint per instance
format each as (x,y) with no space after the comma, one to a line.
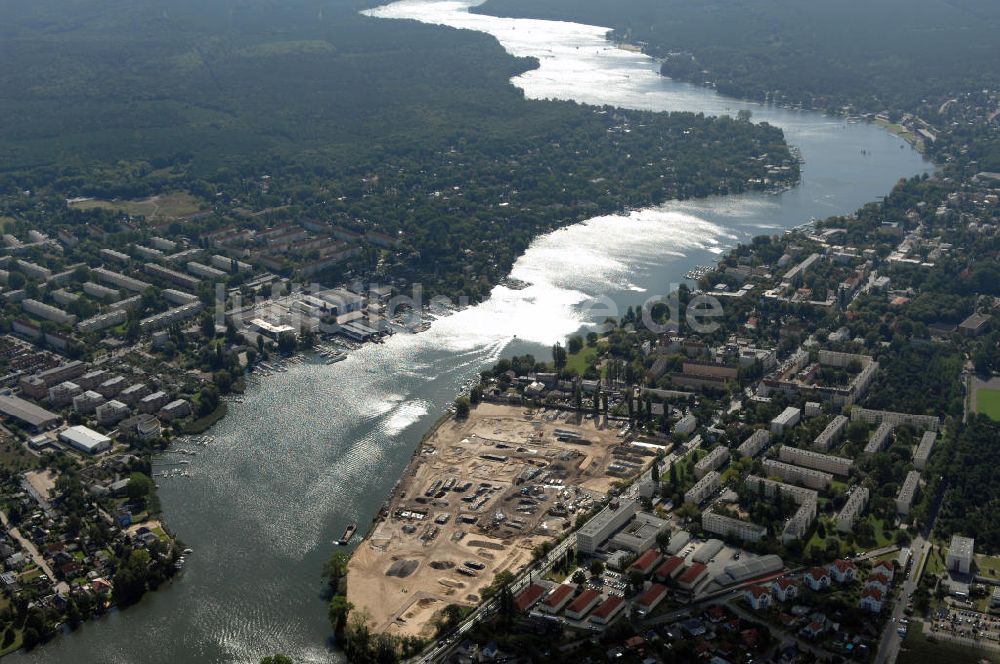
(967,624)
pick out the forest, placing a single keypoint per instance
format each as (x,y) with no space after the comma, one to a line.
(406,129)
(819,54)
(972,487)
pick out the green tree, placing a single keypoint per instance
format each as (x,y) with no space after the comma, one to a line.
(500,580)
(140,486)
(208,326)
(335,567)
(558,356)
(286,343)
(463,407)
(338,612)
(277,659)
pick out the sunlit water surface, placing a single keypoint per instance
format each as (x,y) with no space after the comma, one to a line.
(313,449)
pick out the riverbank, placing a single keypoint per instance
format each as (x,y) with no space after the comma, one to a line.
(315,448)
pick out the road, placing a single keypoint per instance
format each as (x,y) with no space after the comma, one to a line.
(440,649)
(27,545)
(443,647)
(888,647)
(891,642)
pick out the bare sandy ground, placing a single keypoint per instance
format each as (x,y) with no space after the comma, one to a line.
(43,482)
(476,499)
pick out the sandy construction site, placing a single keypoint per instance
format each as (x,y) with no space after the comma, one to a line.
(477,498)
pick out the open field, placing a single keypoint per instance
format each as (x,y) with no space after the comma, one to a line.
(477,498)
(580,361)
(162,207)
(986,397)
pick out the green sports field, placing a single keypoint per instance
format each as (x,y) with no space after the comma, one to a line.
(988,403)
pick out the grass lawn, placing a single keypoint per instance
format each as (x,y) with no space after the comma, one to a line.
(917,649)
(165,206)
(580,361)
(988,403)
(988,565)
(830,530)
(883,534)
(31,575)
(935,561)
(15,644)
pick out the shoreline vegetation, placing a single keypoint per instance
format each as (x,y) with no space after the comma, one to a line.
(434,238)
(889,120)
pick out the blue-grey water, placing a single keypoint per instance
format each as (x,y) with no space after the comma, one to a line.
(315,448)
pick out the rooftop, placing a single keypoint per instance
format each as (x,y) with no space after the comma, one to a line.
(962,546)
(27,412)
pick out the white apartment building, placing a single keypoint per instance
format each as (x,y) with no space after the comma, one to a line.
(924,449)
(809,459)
(814,479)
(755,444)
(703,488)
(712,461)
(922,422)
(907,492)
(853,509)
(879,439)
(730,527)
(833,432)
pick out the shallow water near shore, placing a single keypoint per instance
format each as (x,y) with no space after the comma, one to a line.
(312,449)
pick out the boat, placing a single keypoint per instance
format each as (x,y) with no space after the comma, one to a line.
(348,534)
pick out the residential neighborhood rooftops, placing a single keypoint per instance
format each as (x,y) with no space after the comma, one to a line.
(652,594)
(645,562)
(608,606)
(585,599)
(692,573)
(669,566)
(527,597)
(558,596)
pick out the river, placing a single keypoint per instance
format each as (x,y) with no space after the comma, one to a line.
(319,446)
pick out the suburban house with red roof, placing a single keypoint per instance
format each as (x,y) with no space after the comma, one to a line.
(692,576)
(583,604)
(817,578)
(669,569)
(646,563)
(878,580)
(813,630)
(557,599)
(651,598)
(609,609)
(785,589)
(758,597)
(843,571)
(528,597)
(886,567)
(871,600)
